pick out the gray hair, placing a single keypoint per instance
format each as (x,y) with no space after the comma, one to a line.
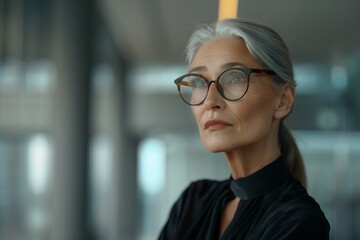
(263,43)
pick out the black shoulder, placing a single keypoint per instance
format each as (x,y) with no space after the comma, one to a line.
(295,199)
(315,228)
(194,199)
(197,193)
(205,188)
(297,216)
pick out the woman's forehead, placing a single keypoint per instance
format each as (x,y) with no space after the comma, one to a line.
(220,52)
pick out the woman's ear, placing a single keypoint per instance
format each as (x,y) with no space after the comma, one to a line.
(286,101)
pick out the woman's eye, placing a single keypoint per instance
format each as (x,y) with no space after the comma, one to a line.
(234,79)
(198,83)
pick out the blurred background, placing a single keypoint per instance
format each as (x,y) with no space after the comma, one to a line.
(95,142)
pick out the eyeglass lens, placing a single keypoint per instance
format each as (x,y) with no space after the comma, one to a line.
(194,88)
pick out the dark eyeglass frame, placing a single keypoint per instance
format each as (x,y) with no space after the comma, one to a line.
(247,72)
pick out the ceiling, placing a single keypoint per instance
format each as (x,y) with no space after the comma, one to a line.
(156,31)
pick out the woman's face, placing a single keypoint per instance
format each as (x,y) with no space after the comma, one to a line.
(230,125)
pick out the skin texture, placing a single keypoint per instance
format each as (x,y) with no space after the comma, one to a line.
(248,129)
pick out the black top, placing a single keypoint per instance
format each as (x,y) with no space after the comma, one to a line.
(273,205)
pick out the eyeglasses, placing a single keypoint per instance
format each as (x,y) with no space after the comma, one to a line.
(232,85)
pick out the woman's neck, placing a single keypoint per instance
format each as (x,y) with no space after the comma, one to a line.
(246,161)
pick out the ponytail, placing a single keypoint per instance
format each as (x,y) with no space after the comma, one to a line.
(291,153)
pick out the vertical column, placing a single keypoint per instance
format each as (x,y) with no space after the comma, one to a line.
(124,175)
(2,30)
(72,47)
(13,29)
(127,179)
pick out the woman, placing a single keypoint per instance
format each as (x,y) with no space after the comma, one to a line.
(240,87)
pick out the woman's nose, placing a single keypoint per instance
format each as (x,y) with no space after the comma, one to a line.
(214,98)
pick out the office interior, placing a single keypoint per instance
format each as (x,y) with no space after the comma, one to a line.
(95,142)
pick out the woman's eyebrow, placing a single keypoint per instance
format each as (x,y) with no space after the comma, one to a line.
(198,69)
(232,64)
(223,66)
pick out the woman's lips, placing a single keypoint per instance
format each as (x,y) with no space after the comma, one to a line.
(215,124)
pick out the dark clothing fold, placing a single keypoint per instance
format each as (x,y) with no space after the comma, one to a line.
(273,205)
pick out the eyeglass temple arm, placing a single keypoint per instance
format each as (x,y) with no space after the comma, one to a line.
(183,83)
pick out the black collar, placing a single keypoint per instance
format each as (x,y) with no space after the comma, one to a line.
(261,182)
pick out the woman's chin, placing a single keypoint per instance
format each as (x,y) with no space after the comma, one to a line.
(215,147)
